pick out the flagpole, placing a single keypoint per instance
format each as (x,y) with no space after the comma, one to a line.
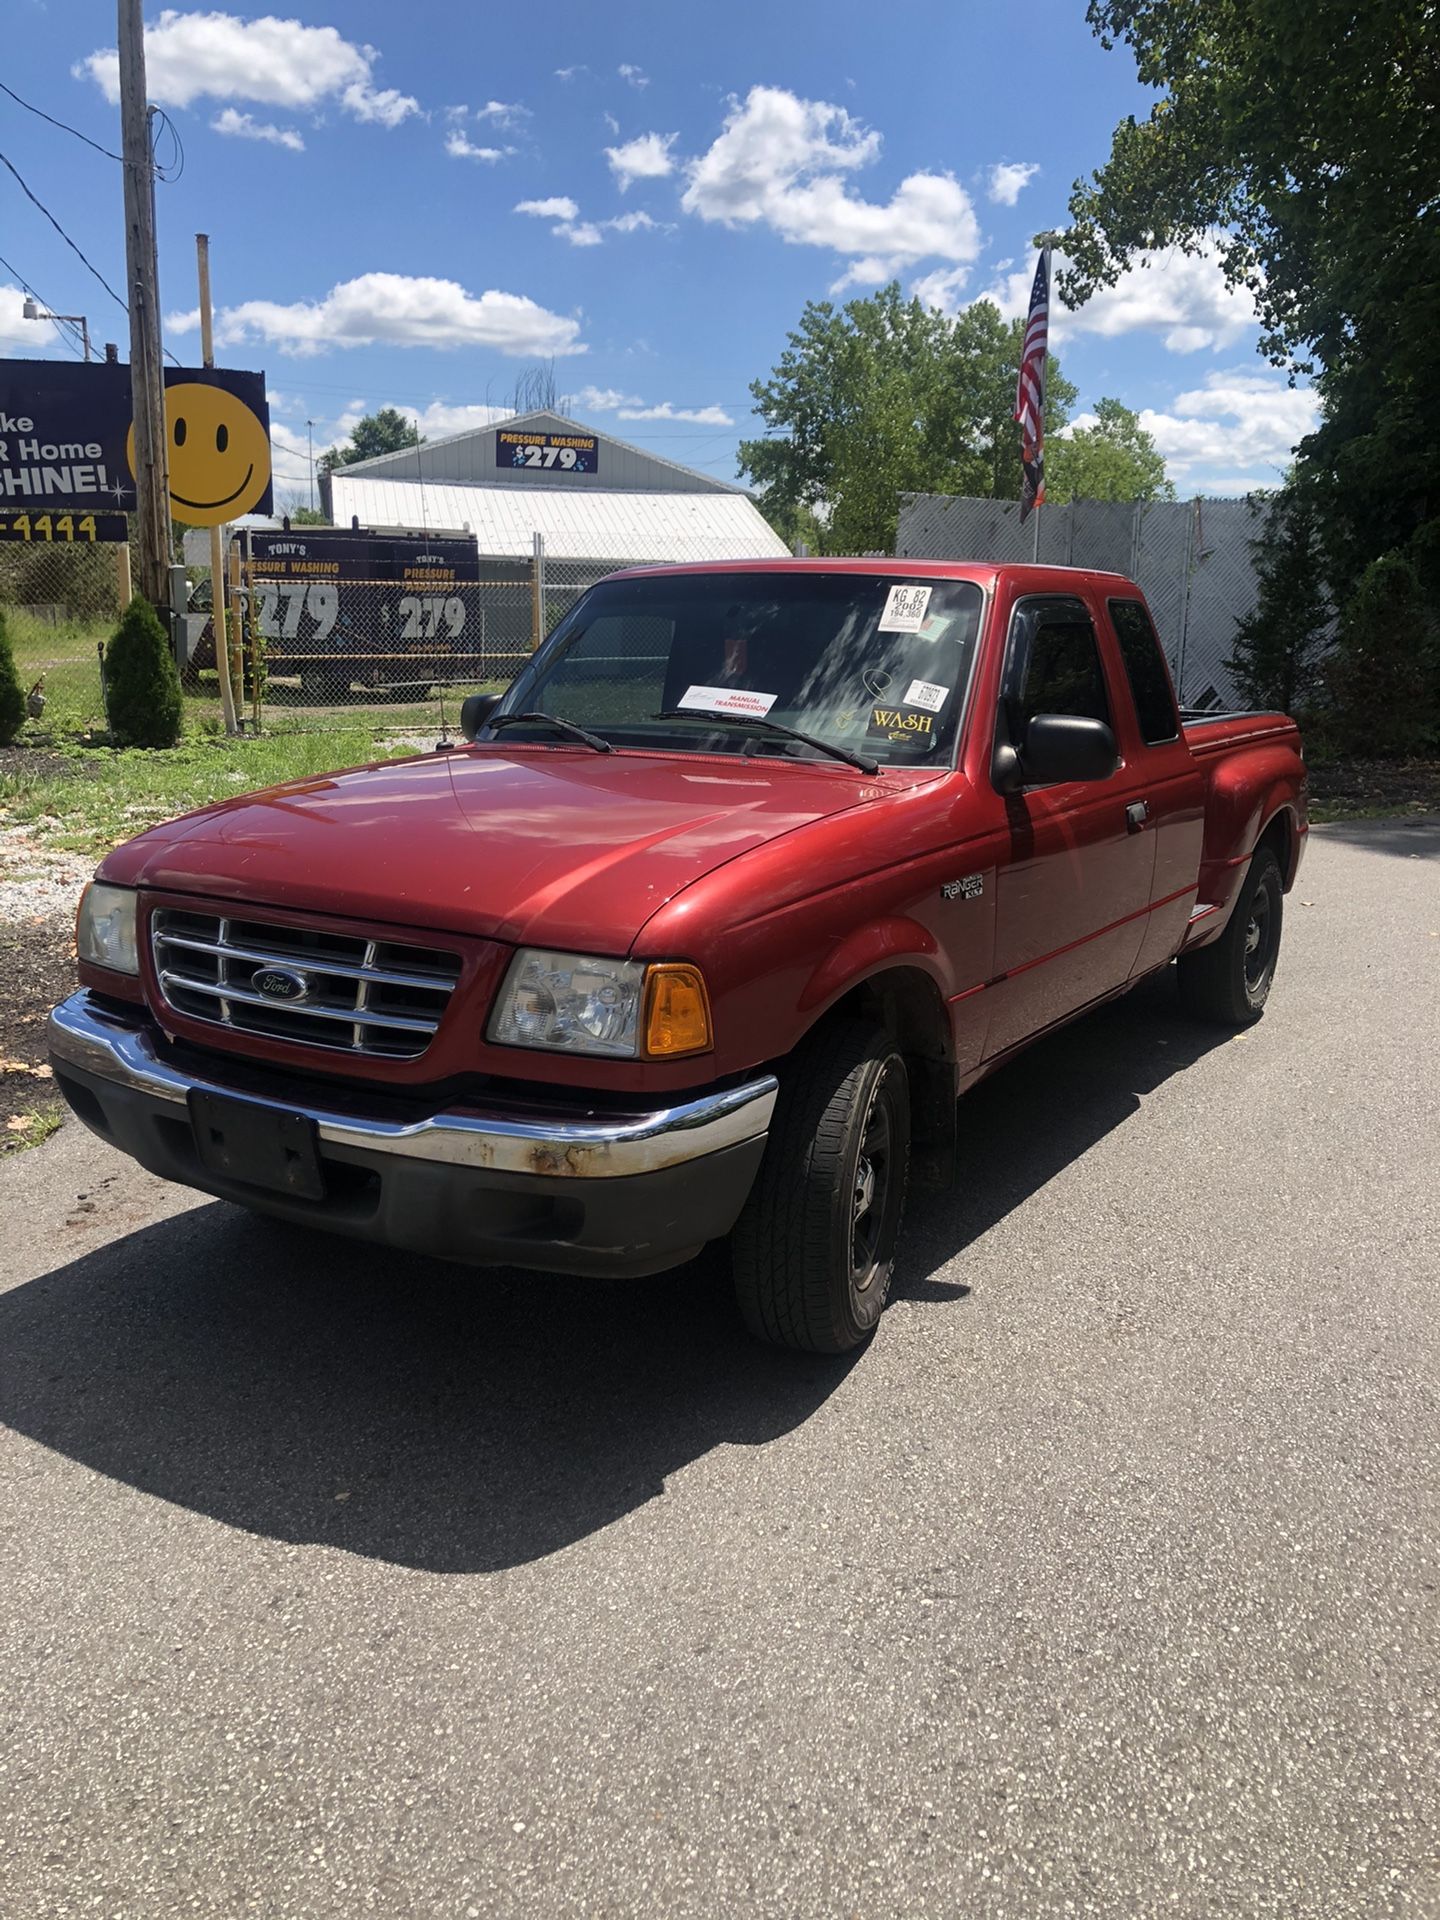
(1035,556)
(1045,255)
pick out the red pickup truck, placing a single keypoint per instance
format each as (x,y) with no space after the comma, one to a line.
(751,873)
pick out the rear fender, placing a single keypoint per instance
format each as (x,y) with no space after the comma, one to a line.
(1253,796)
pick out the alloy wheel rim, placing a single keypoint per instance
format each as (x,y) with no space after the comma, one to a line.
(871,1193)
(1258,943)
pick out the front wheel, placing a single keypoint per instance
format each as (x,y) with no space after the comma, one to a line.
(1229,981)
(814,1250)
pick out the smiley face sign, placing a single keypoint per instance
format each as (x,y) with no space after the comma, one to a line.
(219,452)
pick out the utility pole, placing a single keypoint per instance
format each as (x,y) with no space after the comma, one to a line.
(310,441)
(223,657)
(142,274)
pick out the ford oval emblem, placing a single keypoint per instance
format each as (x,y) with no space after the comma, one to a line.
(280,983)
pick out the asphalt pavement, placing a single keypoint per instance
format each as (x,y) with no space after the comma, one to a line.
(337,1583)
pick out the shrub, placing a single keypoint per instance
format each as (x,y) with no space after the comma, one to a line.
(141,684)
(1276,652)
(1381,676)
(12,698)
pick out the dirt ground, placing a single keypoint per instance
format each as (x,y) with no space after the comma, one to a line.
(37,968)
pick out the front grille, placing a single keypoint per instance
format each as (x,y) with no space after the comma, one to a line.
(378,997)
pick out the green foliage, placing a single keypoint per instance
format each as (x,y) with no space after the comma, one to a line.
(884,396)
(1276,652)
(1382,675)
(1116,459)
(142,686)
(387,431)
(1301,137)
(12,694)
(308,517)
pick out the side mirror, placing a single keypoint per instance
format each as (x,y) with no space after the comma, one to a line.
(475,711)
(1067,746)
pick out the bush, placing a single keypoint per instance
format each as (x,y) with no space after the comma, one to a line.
(1276,652)
(1382,674)
(12,698)
(142,688)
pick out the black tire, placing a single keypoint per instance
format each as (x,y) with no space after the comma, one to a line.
(1229,981)
(813,1253)
(315,683)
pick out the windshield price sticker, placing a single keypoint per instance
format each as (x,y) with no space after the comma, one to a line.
(727,700)
(905,610)
(926,694)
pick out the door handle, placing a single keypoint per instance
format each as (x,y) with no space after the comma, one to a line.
(1136,815)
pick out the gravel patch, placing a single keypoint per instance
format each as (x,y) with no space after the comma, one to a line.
(38,883)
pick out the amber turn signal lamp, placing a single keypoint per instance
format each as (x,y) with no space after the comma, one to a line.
(677,1011)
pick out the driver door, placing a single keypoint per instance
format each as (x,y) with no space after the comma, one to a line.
(1073,893)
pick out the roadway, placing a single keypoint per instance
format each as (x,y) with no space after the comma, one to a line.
(1105,1582)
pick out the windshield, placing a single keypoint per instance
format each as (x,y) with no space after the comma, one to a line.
(872,663)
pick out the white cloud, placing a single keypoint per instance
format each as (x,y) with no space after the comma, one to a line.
(612,125)
(1009,179)
(244,126)
(942,288)
(1235,432)
(702,416)
(647,157)
(1182,297)
(603,399)
(185,321)
(584,233)
(633,76)
(629,406)
(402,310)
(280,63)
(558,207)
(460,148)
(569,73)
(779,161)
(503,113)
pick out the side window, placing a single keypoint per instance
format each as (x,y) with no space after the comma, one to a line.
(1145,670)
(1055,668)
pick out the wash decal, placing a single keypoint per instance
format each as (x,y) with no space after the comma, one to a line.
(67,441)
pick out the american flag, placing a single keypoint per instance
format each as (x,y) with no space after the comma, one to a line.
(1030,392)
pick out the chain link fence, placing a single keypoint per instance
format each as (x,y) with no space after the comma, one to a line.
(322,650)
(1192,559)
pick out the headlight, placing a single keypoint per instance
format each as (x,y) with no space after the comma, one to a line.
(623,1009)
(105,928)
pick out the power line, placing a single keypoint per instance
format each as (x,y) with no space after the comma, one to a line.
(67,330)
(61,124)
(63,234)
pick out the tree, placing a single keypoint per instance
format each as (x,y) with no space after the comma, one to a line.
(884,396)
(1381,675)
(387,431)
(142,688)
(308,517)
(1299,138)
(1276,653)
(1115,459)
(12,695)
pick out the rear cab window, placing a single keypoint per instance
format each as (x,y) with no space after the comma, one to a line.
(1145,669)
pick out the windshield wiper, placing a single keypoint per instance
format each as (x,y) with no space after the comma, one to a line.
(860,760)
(567,727)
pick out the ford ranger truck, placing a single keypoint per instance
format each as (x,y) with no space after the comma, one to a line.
(754,870)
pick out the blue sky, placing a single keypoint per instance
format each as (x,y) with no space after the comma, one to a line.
(410,205)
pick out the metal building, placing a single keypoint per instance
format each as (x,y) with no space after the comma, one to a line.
(597,501)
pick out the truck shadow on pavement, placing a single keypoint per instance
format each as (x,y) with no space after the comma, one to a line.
(313,1390)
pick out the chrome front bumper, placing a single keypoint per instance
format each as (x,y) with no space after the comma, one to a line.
(529,1183)
(85,1035)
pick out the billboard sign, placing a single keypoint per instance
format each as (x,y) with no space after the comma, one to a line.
(67,444)
(547,452)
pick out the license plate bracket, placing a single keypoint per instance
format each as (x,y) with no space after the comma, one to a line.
(258,1146)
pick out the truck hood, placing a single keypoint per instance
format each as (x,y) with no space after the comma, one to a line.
(538,846)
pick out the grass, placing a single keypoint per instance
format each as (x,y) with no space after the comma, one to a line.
(24,1130)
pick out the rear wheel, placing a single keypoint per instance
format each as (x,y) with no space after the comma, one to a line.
(814,1250)
(1229,981)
